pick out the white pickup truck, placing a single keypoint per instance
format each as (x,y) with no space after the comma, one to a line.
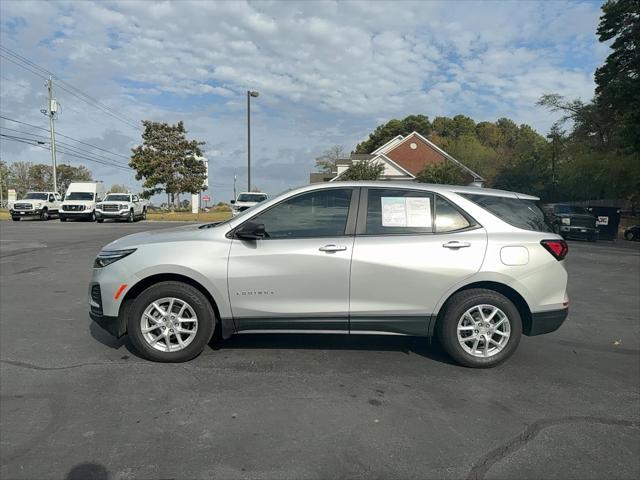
(121,206)
(36,204)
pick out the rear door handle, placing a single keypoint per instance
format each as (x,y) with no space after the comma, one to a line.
(332,248)
(456,244)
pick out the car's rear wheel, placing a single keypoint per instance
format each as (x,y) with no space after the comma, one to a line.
(480,328)
(100,220)
(15,219)
(63,219)
(171,322)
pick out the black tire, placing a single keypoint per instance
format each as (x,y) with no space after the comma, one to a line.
(44,215)
(63,219)
(15,219)
(456,306)
(629,236)
(131,218)
(144,214)
(100,220)
(92,218)
(200,304)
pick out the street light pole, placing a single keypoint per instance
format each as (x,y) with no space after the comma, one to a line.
(250,93)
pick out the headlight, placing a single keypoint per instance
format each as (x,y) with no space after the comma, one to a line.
(123,206)
(38,204)
(566,221)
(107,257)
(98,206)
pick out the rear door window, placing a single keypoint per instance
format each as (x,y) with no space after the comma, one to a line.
(449,218)
(398,211)
(523,214)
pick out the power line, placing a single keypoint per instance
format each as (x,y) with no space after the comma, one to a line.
(72,148)
(64,85)
(65,136)
(37,143)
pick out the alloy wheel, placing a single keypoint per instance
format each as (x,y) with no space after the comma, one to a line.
(483,331)
(169,324)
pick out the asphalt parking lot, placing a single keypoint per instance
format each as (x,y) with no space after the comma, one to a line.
(78,404)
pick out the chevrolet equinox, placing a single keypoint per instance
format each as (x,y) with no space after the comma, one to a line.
(475,267)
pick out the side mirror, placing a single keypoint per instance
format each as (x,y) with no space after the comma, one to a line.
(232,202)
(251,231)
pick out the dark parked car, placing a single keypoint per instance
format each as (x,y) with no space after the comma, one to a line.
(572,221)
(632,233)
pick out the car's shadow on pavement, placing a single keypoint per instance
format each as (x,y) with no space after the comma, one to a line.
(307,341)
(424,347)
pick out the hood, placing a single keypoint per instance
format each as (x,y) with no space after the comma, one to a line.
(176,234)
(79,202)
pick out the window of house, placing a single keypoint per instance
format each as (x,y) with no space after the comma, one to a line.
(398,211)
(316,214)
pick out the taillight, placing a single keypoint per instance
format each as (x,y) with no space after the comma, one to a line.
(557,248)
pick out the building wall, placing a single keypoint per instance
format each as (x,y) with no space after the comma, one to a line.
(415,160)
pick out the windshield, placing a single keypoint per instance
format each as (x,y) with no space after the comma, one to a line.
(79,196)
(116,198)
(35,196)
(570,210)
(251,197)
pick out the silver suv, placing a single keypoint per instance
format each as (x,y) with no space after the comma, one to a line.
(474,266)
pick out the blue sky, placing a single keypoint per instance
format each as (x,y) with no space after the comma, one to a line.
(327,72)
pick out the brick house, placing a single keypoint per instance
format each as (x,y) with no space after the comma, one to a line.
(403,158)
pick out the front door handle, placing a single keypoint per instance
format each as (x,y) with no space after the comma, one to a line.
(456,244)
(332,248)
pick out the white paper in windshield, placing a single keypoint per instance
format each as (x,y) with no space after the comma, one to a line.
(406,212)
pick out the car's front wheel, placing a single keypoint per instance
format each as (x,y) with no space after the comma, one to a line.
(480,328)
(44,215)
(171,322)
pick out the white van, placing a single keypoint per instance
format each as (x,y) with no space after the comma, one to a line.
(80,201)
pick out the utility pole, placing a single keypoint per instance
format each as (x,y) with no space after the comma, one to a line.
(235,195)
(50,111)
(250,93)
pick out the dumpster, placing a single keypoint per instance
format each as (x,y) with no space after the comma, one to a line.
(607,221)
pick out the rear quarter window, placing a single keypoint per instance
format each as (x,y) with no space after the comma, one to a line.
(523,214)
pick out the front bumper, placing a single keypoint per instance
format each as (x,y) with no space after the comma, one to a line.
(578,232)
(546,322)
(119,214)
(25,213)
(112,324)
(84,215)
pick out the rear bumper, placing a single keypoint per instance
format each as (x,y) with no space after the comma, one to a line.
(546,322)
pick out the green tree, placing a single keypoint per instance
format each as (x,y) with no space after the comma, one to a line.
(383,133)
(326,162)
(19,177)
(68,174)
(118,188)
(4,177)
(447,173)
(618,80)
(40,177)
(363,170)
(167,161)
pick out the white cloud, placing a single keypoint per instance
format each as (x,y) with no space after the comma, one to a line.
(327,72)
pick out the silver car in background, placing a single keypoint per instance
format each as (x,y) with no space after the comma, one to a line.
(474,266)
